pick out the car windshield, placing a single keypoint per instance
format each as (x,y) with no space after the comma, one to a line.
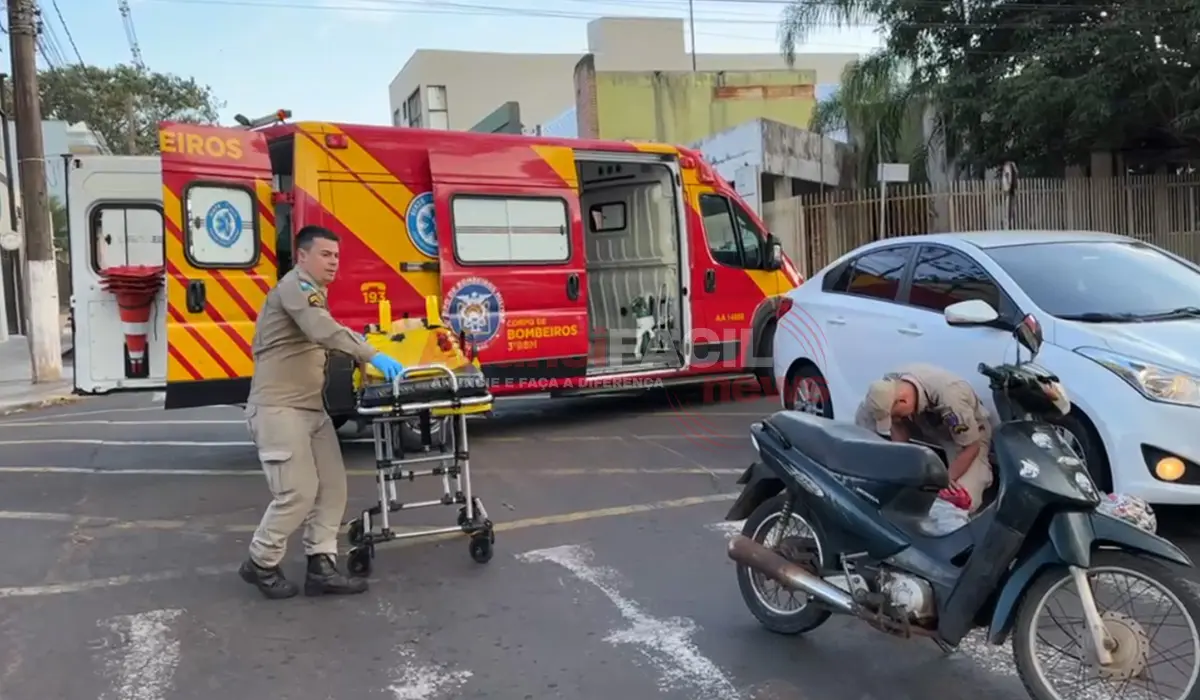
(1102,281)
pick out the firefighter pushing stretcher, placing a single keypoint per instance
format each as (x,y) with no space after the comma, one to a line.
(297,443)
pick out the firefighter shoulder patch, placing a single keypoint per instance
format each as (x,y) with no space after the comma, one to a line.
(955,424)
(315,300)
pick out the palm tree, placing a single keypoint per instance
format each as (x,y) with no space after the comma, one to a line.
(879,103)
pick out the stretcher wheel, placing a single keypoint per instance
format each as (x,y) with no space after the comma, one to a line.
(481,547)
(355,532)
(359,561)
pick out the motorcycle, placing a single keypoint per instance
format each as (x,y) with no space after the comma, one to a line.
(861,503)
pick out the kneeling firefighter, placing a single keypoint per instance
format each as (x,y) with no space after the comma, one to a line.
(939,407)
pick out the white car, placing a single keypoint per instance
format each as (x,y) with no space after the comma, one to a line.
(1121,320)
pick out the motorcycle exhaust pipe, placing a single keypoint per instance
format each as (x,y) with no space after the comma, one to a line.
(751,554)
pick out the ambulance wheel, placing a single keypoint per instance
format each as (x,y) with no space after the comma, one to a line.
(481,547)
(359,561)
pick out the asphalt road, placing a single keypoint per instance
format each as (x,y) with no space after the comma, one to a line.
(121,526)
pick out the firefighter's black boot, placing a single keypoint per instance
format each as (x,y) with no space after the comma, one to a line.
(270,582)
(325,579)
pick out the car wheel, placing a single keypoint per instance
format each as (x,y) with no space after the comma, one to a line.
(807,391)
(1078,432)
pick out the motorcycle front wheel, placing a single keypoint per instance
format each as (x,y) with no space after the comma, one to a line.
(1151,613)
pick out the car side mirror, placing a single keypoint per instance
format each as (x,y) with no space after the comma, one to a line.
(973,312)
(774,259)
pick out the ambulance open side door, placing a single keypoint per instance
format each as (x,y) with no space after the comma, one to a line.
(114,219)
(511,259)
(220,258)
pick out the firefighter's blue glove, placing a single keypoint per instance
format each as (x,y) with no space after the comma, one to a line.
(389,367)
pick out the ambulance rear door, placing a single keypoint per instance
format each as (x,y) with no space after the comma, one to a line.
(220,256)
(511,258)
(114,215)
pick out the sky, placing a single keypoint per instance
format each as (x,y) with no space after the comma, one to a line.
(333,59)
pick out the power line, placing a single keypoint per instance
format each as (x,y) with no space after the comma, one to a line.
(70,39)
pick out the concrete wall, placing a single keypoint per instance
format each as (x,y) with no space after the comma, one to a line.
(543,84)
(683,107)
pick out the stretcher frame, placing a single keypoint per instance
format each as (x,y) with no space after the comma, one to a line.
(387,423)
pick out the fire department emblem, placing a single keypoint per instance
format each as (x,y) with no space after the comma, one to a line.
(475,308)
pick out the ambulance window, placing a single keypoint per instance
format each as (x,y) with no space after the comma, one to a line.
(489,230)
(719,229)
(221,226)
(126,234)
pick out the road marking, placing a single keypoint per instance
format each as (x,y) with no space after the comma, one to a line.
(96,412)
(101,521)
(257,473)
(158,397)
(414,681)
(667,644)
(160,576)
(145,669)
(130,423)
(247,443)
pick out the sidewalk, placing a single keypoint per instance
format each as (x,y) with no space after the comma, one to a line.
(17,391)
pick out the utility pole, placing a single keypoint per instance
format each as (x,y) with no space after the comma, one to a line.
(692,24)
(45,336)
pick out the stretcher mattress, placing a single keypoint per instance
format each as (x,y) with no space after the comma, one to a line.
(425,389)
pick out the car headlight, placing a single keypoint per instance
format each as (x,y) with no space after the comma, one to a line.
(1155,382)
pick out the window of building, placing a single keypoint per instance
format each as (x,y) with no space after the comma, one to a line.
(413,108)
(126,234)
(943,277)
(221,226)
(396,118)
(439,110)
(510,229)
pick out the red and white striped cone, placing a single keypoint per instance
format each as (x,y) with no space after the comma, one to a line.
(135,324)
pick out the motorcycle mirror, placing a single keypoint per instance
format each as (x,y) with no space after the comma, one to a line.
(973,312)
(1029,333)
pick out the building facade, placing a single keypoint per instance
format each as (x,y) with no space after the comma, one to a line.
(459,89)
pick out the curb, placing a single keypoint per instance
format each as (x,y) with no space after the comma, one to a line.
(24,406)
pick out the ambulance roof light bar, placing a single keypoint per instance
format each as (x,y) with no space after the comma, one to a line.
(277,117)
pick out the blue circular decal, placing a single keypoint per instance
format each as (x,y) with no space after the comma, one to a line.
(422,229)
(224,224)
(475,308)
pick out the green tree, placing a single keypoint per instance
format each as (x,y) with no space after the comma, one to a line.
(107,98)
(1042,84)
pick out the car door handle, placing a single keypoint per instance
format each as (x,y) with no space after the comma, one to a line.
(910,331)
(573,287)
(836,321)
(710,280)
(196,297)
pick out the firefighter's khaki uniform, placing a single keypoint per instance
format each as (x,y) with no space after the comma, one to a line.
(296,440)
(948,413)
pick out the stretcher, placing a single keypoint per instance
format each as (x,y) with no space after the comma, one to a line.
(439,383)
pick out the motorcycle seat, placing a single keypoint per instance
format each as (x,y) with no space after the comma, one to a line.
(848,449)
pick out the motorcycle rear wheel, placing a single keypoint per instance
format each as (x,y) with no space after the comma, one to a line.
(1174,591)
(762,522)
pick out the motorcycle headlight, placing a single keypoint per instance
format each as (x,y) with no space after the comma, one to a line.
(1155,382)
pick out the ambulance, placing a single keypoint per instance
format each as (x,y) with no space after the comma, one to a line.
(569,266)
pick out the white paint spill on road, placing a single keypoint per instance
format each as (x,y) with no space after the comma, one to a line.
(413,680)
(145,665)
(729,528)
(667,644)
